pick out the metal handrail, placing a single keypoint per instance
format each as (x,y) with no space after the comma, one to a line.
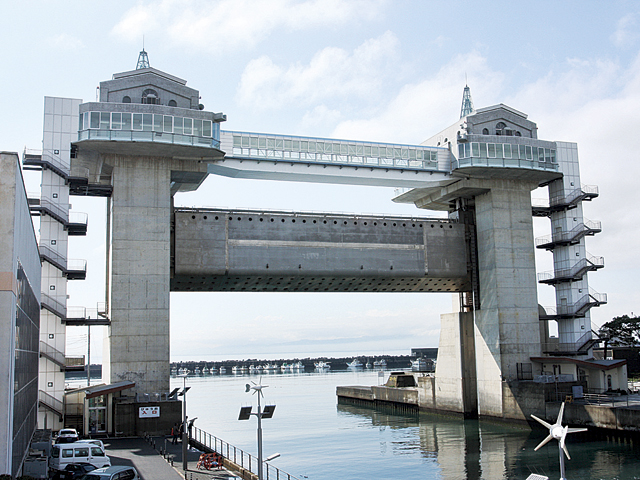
(591,262)
(238,456)
(52,402)
(148,136)
(592,298)
(53,354)
(53,305)
(577,232)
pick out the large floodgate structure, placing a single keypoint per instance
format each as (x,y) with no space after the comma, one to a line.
(148,137)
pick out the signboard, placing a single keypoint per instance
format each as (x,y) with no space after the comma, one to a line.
(149,412)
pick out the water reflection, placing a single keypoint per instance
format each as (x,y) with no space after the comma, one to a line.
(473,450)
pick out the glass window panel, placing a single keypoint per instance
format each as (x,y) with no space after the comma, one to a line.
(344,149)
(147,122)
(541,154)
(197,128)
(507,150)
(86,120)
(279,144)
(67,452)
(521,152)
(491,150)
(475,149)
(528,152)
(105,120)
(82,452)
(461,150)
(178,123)
(375,151)
(157,123)
(262,142)
(552,154)
(167,126)
(126,121)
(188,124)
(287,144)
(137,121)
(312,147)
(206,128)
(116,121)
(95,120)
(80,119)
(271,143)
(483,150)
(295,145)
(254,142)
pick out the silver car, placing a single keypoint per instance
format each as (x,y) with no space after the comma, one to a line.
(112,473)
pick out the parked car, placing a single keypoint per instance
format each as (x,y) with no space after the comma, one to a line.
(77,452)
(67,435)
(95,441)
(112,473)
(73,471)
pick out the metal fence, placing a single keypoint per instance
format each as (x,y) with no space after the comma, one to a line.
(238,456)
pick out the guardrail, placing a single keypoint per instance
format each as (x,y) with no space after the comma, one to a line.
(238,456)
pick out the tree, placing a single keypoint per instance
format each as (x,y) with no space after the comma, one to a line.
(622,331)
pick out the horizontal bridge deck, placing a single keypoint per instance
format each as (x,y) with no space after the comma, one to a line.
(231,250)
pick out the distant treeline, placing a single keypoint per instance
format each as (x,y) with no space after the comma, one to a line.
(337,363)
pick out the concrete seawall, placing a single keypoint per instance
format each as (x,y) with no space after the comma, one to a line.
(525,398)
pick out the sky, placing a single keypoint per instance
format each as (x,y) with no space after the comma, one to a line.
(377,70)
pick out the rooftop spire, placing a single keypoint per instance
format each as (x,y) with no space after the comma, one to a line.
(143,58)
(467,103)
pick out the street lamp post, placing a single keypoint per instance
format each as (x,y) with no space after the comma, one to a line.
(185,439)
(245,413)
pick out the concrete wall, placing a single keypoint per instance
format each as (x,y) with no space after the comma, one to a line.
(455,378)
(507,330)
(319,252)
(18,251)
(128,422)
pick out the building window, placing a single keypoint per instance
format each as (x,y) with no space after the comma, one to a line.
(172,103)
(150,96)
(485,131)
(126,99)
(500,126)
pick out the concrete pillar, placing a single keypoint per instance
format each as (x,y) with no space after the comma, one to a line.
(507,325)
(140,212)
(455,380)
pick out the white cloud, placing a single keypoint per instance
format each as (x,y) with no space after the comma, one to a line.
(626,35)
(333,73)
(422,109)
(214,26)
(64,41)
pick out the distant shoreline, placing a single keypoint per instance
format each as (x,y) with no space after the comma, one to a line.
(336,363)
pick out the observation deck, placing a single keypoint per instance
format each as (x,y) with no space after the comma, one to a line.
(144,129)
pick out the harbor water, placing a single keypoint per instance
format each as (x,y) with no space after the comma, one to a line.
(319,439)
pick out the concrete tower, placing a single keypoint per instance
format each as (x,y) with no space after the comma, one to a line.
(148,137)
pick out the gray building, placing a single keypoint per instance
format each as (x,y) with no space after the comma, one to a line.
(19,318)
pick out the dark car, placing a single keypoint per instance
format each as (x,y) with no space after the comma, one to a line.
(73,470)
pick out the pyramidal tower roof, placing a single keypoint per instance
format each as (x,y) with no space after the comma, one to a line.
(467,103)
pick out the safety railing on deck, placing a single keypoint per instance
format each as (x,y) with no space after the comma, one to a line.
(238,456)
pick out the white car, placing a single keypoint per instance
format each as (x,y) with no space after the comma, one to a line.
(67,435)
